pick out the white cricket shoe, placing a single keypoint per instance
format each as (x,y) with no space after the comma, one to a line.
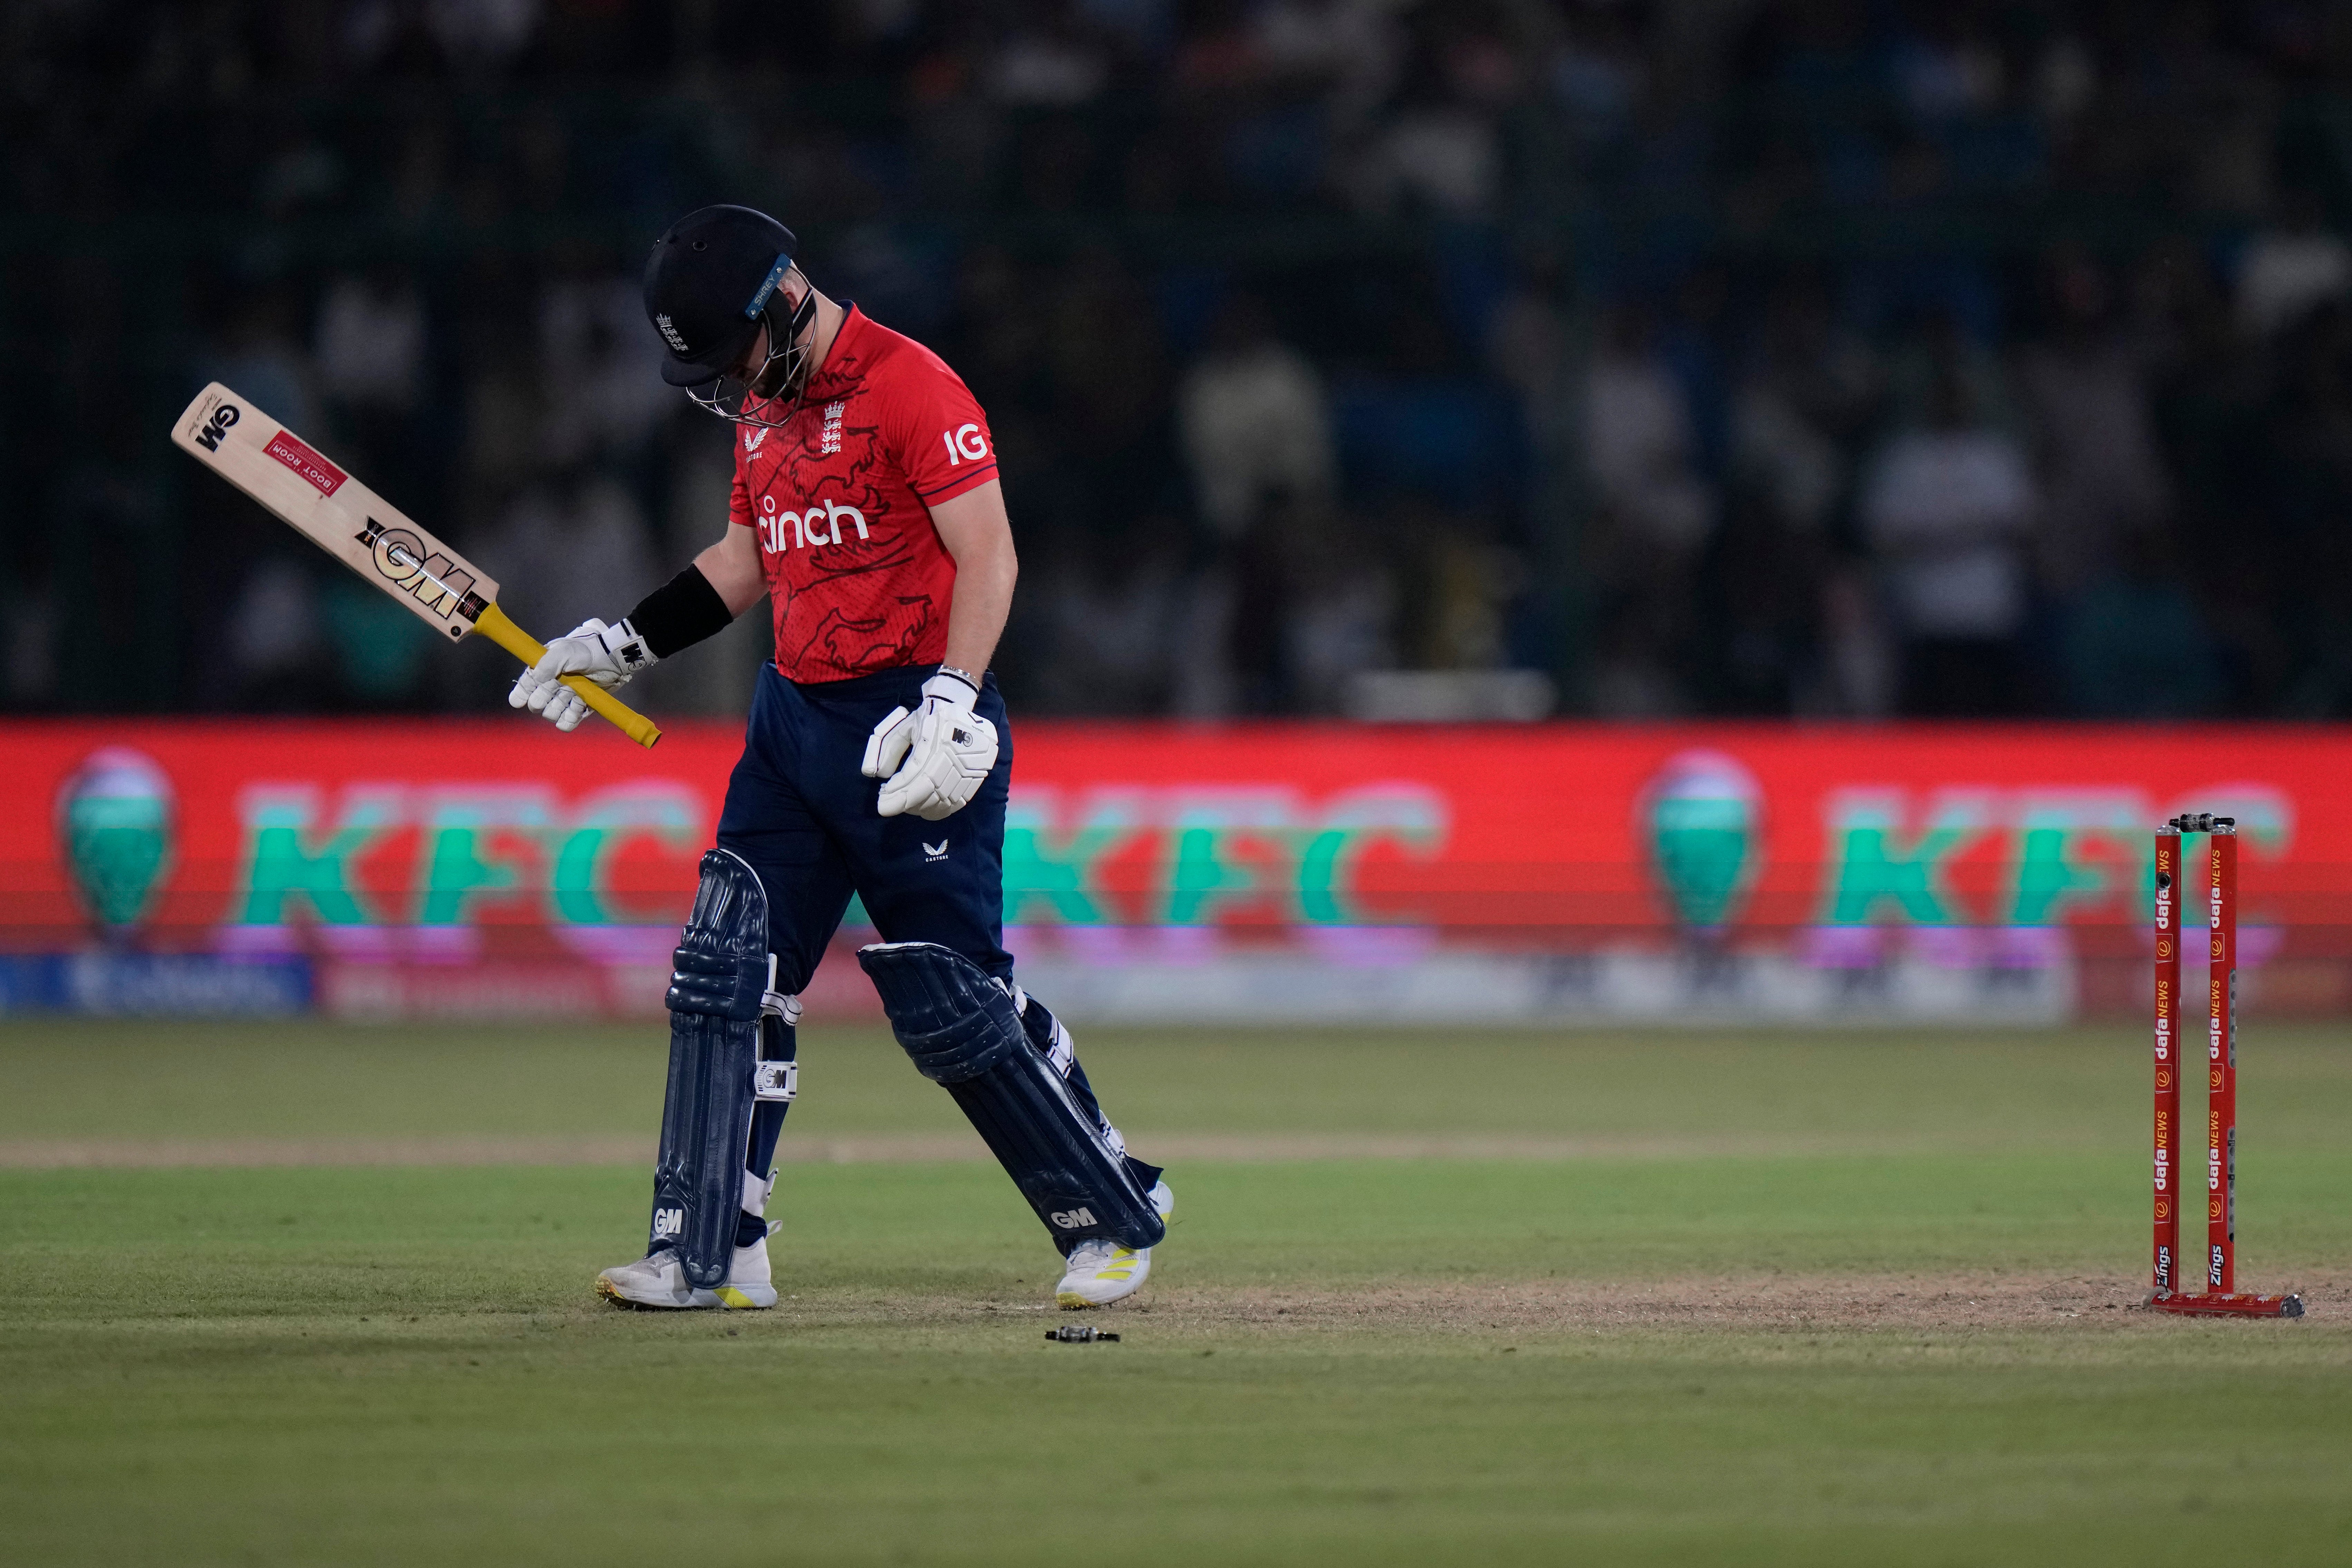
(658,1280)
(1102,1271)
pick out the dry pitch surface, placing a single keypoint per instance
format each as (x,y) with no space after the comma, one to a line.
(302,1294)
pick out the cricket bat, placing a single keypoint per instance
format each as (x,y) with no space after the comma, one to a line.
(228,435)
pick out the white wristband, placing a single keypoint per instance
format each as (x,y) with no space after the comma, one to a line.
(952,686)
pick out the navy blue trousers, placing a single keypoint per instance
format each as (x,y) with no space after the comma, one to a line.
(800,812)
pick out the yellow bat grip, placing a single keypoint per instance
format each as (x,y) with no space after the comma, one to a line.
(493,624)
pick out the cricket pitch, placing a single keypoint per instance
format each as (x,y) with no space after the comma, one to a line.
(293,1293)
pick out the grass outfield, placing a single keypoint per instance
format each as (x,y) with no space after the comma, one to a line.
(1846,1299)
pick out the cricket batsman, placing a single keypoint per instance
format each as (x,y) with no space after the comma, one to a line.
(877,761)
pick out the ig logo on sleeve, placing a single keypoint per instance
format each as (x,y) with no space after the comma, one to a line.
(965,443)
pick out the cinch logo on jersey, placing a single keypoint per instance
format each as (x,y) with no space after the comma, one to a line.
(819,523)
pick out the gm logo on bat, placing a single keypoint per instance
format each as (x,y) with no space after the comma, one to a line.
(209,438)
(444,587)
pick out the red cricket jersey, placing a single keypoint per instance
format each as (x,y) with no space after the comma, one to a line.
(841,498)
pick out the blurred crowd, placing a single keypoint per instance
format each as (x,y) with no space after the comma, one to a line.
(1824,357)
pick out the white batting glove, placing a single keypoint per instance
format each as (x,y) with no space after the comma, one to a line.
(609,655)
(936,758)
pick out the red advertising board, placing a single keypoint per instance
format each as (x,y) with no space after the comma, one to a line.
(1570,871)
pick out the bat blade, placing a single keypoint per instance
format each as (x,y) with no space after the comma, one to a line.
(350,522)
(259,455)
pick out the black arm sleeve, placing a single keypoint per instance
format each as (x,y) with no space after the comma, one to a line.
(680,613)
